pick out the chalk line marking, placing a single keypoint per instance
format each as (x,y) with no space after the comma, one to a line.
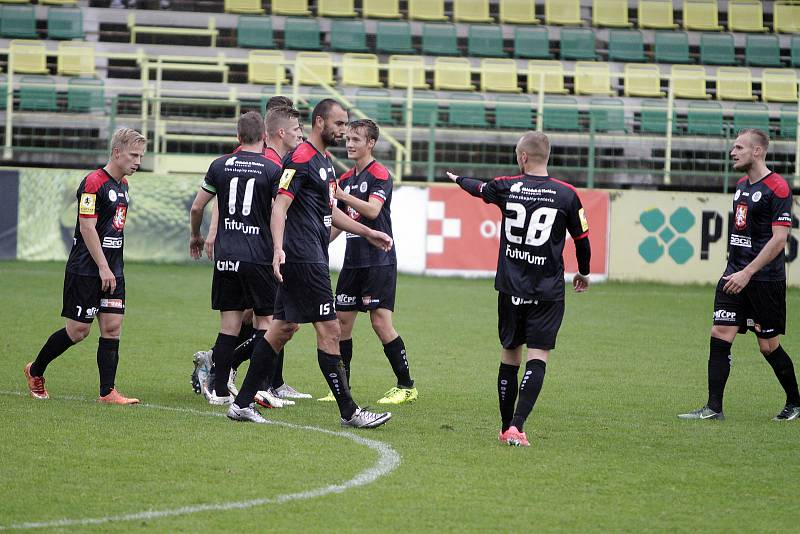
(388,461)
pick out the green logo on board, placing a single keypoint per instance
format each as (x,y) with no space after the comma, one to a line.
(666,235)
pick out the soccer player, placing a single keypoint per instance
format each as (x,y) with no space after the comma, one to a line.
(537,212)
(301,221)
(94,283)
(369,276)
(752,291)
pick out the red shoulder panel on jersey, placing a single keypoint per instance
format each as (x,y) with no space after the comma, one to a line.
(564,183)
(346,175)
(273,156)
(237,149)
(303,153)
(95,181)
(124,181)
(778,185)
(517,177)
(379,171)
(742,179)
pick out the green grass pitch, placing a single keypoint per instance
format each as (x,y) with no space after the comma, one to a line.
(607,452)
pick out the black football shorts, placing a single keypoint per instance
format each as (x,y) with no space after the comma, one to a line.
(366,288)
(84,299)
(760,307)
(533,322)
(305,294)
(237,286)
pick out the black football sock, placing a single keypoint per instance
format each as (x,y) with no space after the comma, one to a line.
(223,354)
(719,367)
(396,354)
(784,370)
(54,347)
(245,332)
(346,348)
(507,392)
(332,368)
(529,389)
(277,377)
(244,351)
(107,360)
(262,365)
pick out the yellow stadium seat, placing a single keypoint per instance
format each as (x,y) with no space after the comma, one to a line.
(564,12)
(360,70)
(701,15)
(689,81)
(76,58)
(59,2)
(547,71)
(381,9)
(592,78)
(336,8)
(642,80)
(612,13)
(518,12)
(252,7)
(499,75)
(266,66)
(779,85)
(453,73)
(28,56)
(290,7)
(786,17)
(734,83)
(471,11)
(656,14)
(407,70)
(426,10)
(15,2)
(313,68)
(746,16)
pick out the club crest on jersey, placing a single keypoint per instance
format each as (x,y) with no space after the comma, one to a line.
(119,217)
(756,196)
(323,174)
(112,195)
(737,194)
(353,213)
(363,187)
(740,217)
(331,193)
(347,189)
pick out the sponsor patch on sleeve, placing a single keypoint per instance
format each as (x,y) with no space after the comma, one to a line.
(286,178)
(584,222)
(87,204)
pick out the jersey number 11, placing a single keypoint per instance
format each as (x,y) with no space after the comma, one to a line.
(248,196)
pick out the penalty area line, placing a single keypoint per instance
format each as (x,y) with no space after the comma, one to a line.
(388,460)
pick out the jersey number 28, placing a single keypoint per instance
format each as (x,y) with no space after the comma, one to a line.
(248,195)
(539,227)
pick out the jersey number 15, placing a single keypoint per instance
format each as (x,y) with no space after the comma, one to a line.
(539,227)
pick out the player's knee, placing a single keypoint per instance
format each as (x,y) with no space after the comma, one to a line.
(78,331)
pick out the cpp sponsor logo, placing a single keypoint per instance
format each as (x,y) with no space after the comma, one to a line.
(346,300)
(725,315)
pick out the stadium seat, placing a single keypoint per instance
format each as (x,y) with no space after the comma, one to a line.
(577,43)
(439,40)
(717,49)
(499,75)
(426,10)
(701,15)
(76,58)
(795,44)
(656,14)
(485,41)
(28,56)
(563,12)
(407,70)
(360,70)
(642,80)
(314,68)
(301,34)
(610,13)
(705,118)
(471,11)
(592,78)
(786,17)
(734,83)
(58,2)
(779,85)
(788,121)
(381,9)
(254,32)
(65,23)
(315,95)
(653,117)
(375,104)
(266,67)
(85,95)
(672,47)
(532,43)
(18,21)
(688,81)
(453,73)
(549,72)
(762,50)
(425,110)
(336,8)
(513,111)
(296,8)
(250,7)
(518,12)
(393,38)
(750,116)
(37,93)
(607,115)
(560,113)
(746,16)
(626,45)
(348,36)
(466,109)
(3,90)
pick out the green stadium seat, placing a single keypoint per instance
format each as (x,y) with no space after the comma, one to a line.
(788,121)
(796,51)
(513,111)
(65,23)
(717,49)
(560,113)
(751,116)
(425,110)
(577,43)
(626,45)
(393,38)
(316,95)
(37,93)
(485,41)
(466,109)
(705,118)
(3,89)
(348,36)
(672,47)
(18,21)
(301,34)
(254,32)
(763,51)
(532,42)
(375,104)
(653,117)
(85,94)
(607,114)
(439,40)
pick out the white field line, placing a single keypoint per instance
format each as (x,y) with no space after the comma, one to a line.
(388,461)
